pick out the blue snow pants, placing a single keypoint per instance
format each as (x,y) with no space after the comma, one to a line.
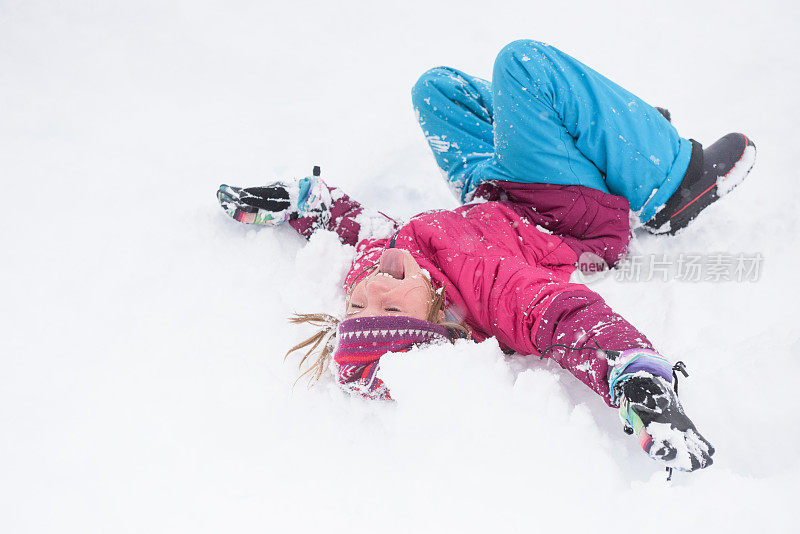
(547,118)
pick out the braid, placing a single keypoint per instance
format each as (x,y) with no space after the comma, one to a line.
(327,333)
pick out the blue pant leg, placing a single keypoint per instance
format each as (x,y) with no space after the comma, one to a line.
(558,121)
(455,113)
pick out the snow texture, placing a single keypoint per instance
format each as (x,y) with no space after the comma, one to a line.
(738,173)
(142,382)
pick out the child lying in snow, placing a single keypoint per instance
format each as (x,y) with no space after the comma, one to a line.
(559,155)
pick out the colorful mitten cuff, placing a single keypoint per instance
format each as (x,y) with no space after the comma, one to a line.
(633,361)
(313,195)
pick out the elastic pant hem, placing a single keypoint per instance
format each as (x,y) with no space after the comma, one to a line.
(671,182)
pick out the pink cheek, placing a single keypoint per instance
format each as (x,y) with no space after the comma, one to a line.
(415,299)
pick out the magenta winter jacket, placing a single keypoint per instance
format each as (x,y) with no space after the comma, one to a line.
(505,265)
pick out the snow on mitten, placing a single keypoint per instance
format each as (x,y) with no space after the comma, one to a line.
(641,382)
(277,202)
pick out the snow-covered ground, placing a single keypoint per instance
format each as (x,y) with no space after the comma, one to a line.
(142,387)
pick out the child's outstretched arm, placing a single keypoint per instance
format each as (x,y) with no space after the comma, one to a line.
(529,310)
(308,204)
(628,373)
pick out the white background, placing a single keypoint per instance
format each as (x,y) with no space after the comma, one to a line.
(142,387)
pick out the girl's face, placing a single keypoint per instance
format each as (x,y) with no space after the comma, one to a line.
(397,287)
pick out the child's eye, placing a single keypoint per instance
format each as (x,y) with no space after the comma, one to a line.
(354,309)
(392,309)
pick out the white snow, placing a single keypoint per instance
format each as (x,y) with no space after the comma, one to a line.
(373,225)
(725,184)
(142,382)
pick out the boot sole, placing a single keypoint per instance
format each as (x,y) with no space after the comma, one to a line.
(727,183)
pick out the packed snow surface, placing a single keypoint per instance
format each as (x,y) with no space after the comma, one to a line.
(142,381)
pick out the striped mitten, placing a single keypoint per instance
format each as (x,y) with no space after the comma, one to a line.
(641,382)
(275,203)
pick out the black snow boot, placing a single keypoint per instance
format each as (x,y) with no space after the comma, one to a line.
(712,173)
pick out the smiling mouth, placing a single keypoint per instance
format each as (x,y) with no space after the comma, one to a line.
(392,263)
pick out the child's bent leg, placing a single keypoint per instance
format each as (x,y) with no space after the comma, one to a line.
(558,121)
(455,113)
